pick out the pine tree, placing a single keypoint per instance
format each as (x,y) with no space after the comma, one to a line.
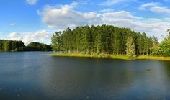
(130,47)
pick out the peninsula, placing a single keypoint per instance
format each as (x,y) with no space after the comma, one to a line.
(107,41)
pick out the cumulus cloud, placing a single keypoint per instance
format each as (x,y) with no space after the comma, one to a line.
(66,16)
(27,37)
(31,2)
(156,27)
(155,7)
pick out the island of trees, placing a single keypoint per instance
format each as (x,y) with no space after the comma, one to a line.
(107,40)
(14,46)
(37,46)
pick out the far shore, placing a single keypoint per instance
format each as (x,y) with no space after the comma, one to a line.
(121,57)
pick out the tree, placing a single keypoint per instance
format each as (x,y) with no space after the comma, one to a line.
(105,39)
(130,47)
(37,46)
(165,47)
(56,41)
(11,45)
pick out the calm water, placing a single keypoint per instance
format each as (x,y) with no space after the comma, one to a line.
(37,76)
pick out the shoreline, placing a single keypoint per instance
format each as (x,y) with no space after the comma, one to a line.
(120,57)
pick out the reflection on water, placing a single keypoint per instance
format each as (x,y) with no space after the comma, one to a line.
(37,76)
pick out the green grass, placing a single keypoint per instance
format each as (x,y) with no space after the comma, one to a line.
(145,57)
(122,57)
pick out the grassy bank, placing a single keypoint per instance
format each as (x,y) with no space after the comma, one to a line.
(145,57)
(122,57)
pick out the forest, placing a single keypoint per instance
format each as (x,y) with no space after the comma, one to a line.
(37,46)
(108,39)
(11,45)
(14,46)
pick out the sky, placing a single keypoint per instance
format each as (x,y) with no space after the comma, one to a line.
(37,20)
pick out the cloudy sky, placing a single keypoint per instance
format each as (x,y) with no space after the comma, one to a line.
(36,20)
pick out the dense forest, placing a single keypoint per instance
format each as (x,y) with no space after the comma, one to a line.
(36,46)
(104,39)
(13,45)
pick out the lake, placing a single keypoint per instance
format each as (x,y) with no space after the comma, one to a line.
(38,76)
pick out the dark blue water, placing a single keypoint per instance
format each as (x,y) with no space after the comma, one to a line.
(38,76)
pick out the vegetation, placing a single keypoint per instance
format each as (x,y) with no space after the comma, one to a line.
(12,45)
(130,47)
(103,40)
(122,57)
(107,41)
(36,46)
(152,57)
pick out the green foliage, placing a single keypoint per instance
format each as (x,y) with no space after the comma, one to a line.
(164,47)
(102,39)
(11,45)
(130,50)
(36,46)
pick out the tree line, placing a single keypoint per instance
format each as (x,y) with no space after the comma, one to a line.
(104,39)
(37,46)
(13,45)
(163,49)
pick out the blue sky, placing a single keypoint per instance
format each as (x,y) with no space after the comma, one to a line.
(36,20)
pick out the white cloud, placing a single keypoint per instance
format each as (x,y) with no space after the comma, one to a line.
(155,7)
(27,37)
(32,2)
(156,27)
(111,2)
(66,16)
(107,10)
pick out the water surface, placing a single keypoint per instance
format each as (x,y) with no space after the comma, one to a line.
(38,76)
